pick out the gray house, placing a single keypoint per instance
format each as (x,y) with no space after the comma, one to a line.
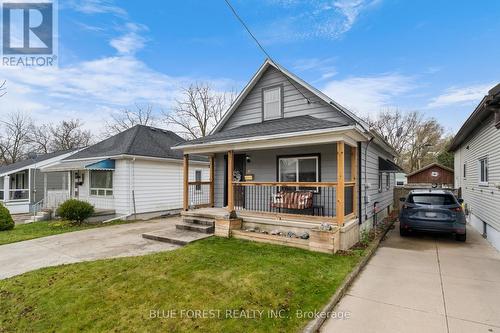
(22,183)
(287,158)
(477,166)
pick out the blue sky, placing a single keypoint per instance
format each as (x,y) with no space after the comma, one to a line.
(438,57)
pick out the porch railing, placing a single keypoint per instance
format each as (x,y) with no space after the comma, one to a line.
(19,194)
(300,198)
(199,194)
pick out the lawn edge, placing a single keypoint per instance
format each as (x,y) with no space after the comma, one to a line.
(101,225)
(315,324)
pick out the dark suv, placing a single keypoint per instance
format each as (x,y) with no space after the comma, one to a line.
(432,211)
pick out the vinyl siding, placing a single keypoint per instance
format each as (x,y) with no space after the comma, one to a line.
(250,110)
(369,192)
(482,201)
(158,184)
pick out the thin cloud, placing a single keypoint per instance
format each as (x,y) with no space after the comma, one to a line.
(317,19)
(460,95)
(97,7)
(369,94)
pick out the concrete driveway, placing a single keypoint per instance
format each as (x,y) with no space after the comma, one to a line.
(106,242)
(425,284)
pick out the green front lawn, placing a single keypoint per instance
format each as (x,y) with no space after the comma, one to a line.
(226,278)
(23,232)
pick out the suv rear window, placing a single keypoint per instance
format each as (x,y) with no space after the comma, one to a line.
(432,199)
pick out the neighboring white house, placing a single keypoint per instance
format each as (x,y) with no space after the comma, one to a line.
(134,173)
(22,185)
(477,166)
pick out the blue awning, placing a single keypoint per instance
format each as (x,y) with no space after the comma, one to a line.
(102,165)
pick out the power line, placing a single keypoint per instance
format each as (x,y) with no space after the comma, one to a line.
(263,49)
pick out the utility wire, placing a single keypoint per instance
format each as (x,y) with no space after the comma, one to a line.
(263,49)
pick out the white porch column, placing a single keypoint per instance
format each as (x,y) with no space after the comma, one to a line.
(29,185)
(69,183)
(6,188)
(45,188)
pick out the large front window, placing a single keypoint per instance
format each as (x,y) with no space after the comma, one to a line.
(299,169)
(101,182)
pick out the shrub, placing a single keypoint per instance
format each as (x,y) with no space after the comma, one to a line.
(6,221)
(75,210)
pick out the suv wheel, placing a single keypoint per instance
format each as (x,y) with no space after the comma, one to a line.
(403,232)
(461,238)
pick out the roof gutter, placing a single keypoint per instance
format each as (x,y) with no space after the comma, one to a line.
(269,137)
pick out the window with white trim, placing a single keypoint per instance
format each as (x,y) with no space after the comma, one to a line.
(465,170)
(101,183)
(299,169)
(271,103)
(483,171)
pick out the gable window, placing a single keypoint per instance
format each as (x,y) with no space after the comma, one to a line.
(271,103)
(387,180)
(101,183)
(483,171)
(299,169)
(197,178)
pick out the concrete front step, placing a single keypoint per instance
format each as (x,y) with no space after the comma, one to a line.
(201,228)
(198,220)
(175,236)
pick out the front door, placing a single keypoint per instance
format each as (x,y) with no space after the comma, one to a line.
(240,164)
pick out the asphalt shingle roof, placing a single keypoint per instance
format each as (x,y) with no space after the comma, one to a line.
(270,127)
(28,162)
(139,140)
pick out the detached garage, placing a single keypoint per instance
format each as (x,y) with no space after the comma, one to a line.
(432,175)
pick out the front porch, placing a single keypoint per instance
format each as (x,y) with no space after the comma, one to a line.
(305,196)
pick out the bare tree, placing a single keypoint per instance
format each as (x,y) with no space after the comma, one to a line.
(423,142)
(14,138)
(197,113)
(40,138)
(129,118)
(69,134)
(3,88)
(412,136)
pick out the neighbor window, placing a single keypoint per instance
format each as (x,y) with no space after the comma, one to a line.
(380,178)
(483,171)
(271,103)
(465,170)
(387,181)
(197,178)
(101,182)
(299,169)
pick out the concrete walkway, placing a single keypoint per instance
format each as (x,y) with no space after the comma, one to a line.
(425,284)
(106,242)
